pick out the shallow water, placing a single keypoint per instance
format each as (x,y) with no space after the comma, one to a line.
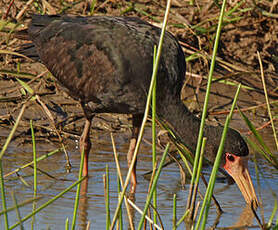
(92,207)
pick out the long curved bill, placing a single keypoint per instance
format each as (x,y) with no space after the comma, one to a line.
(238,169)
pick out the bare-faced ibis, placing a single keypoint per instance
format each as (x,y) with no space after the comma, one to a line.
(106,63)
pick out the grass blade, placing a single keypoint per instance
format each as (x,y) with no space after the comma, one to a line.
(25,86)
(264,149)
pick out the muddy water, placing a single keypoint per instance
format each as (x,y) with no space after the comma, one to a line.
(92,206)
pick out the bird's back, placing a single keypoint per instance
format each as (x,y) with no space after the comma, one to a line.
(107,61)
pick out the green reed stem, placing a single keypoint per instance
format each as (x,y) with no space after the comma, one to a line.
(19,205)
(159,50)
(120,218)
(272,214)
(3,196)
(201,160)
(200,164)
(267,101)
(17,210)
(77,195)
(174,212)
(13,130)
(106,192)
(205,107)
(153,187)
(34,158)
(129,215)
(187,212)
(32,162)
(209,191)
(67,224)
(35,171)
(47,203)
(154,160)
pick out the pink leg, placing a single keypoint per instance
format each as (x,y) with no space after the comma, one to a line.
(136,123)
(85,145)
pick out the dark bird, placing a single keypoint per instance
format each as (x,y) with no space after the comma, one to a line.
(106,63)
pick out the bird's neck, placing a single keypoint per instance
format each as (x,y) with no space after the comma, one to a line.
(184,123)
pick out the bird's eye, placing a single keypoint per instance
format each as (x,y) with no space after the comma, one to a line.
(230,157)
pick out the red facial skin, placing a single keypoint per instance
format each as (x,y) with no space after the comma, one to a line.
(237,167)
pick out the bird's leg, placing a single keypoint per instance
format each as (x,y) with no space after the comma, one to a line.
(136,123)
(85,144)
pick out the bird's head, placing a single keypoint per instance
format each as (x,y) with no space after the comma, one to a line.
(234,160)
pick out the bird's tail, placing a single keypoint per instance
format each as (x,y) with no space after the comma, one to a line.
(27,49)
